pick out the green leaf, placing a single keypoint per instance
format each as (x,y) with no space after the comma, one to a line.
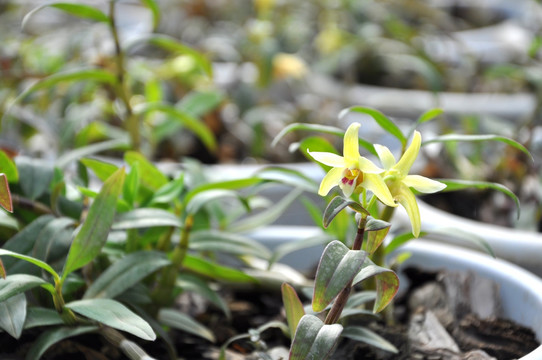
(180,321)
(8,167)
(18,283)
(362,334)
(53,242)
(387,283)
(146,218)
(215,271)
(385,123)
(400,240)
(23,242)
(113,314)
(429,115)
(169,192)
(314,340)
(53,336)
(189,282)
(377,231)
(131,186)
(337,268)
(203,198)
(226,185)
(190,122)
(98,75)
(454,185)
(463,235)
(125,273)
(32,260)
(288,247)
(5,194)
(292,306)
(267,216)
(149,174)
(35,176)
(103,170)
(81,152)
(13,315)
(199,103)
(93,233)
(221,241)
(173,45)
(79,10)
(38,316)
(153,7)
(338,204)
(478,138)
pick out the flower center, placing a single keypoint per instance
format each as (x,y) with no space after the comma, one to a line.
(351,175)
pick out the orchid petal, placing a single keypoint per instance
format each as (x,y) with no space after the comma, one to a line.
(328,158)
(368,167)
(376,184)
(423,184)
(348,189)
(386,157)
(406,198)
(332,178)
(411,153)
(351,144)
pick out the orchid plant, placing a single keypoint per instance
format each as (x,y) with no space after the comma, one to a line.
(373,193)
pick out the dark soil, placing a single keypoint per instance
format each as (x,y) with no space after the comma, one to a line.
(499,338)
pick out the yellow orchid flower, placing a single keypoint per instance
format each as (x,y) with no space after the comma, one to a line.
(399,182)
(352,171)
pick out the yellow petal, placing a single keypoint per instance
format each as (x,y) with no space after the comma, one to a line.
(404,165)
(351,144)
(367,166)
(328,159)
(386,157)
(375,183)
(406,198)
(332,179)
(423,184)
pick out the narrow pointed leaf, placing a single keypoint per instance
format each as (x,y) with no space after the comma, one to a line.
(149,174)
(193,124)
(81,152)
(478,138)
(429,115)
(225,242)
(226,185)
(112,313)
(79,10)
(215,271)
(125,273)
(53,336)
(454,185)
(362,334)
(153,7)
(101,169)
(169,192)
(5,194)
(146,218)
(380,119)
(37,316)
(13,315)
(32,260)
(93,233)
(189,282)
(180,321)
(336,205)
(203,198)
(313,339)
(16,284)
(292,306)
(387,283)
(131,186)
(337,268)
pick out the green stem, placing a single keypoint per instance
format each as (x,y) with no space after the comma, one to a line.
(66,314)
(340,302)
(166,284)
(132,122)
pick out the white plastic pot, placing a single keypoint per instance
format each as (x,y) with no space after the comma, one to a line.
(520,290)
